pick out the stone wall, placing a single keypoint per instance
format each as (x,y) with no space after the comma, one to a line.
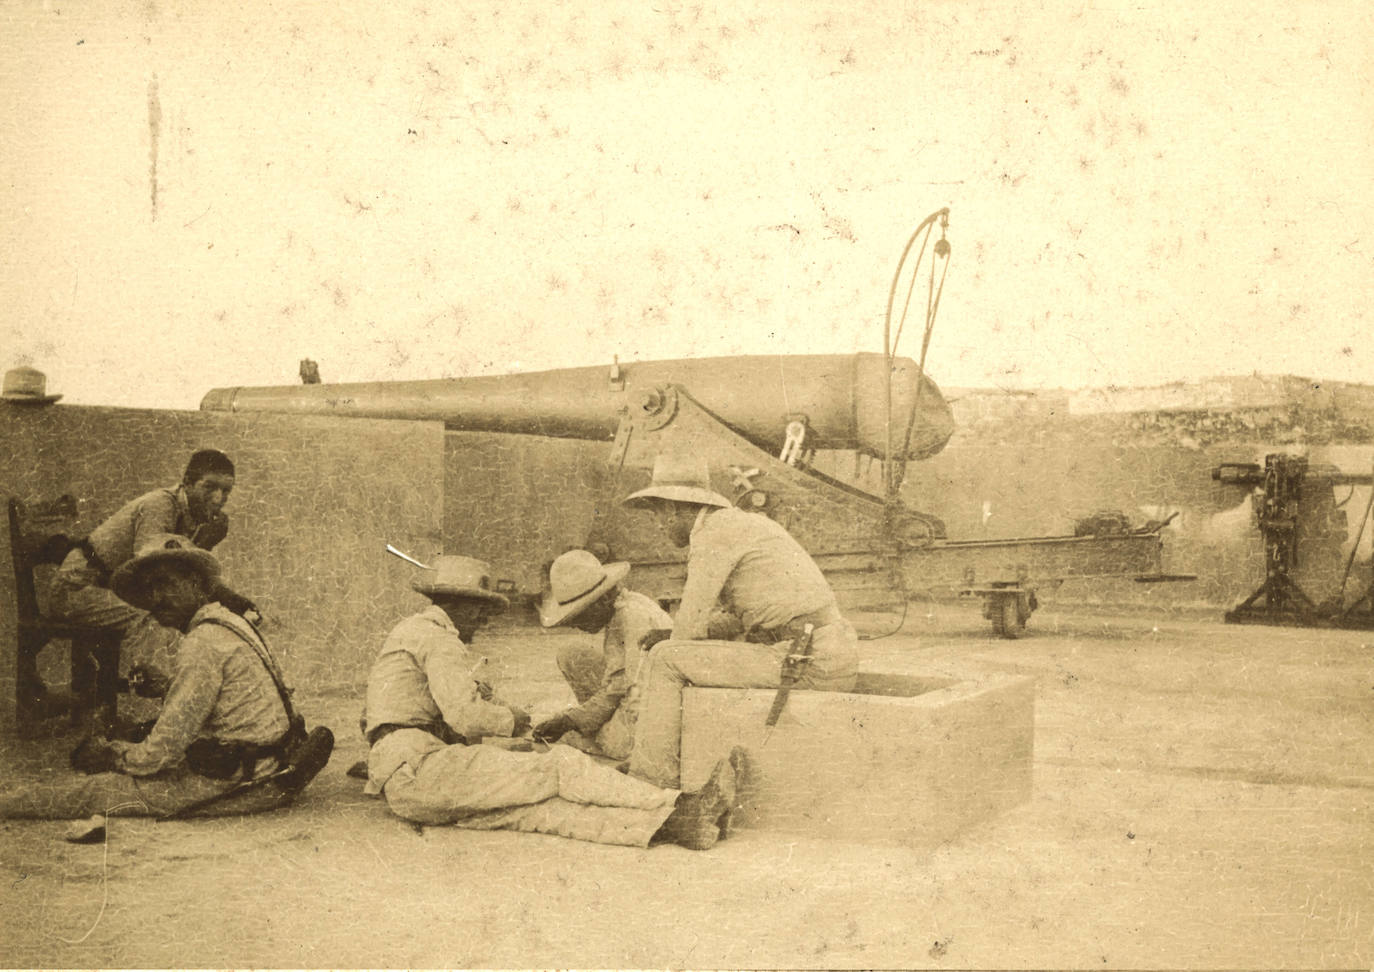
(1023,465)
(518,501)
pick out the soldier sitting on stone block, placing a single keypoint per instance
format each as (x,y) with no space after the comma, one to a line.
(429,709)
(751,567)
(589,596)
(227,719)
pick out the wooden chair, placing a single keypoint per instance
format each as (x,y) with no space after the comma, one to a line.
(40,533)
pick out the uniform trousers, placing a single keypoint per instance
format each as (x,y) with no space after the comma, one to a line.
(479,787)
(74,796)
(673,665)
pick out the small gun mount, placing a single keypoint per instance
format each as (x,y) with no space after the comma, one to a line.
(1290,497)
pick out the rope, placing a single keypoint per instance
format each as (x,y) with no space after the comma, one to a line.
(104,875)
(891,481)
(906,603)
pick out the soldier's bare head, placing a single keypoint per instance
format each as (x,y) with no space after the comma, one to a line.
(208,480)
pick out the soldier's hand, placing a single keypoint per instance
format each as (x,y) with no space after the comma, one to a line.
(93,755)
(522,720)
(484,690)
(211,532)
(237,603)
(552,730)
(126,731)
(654,637)
(724,626)
(148,682)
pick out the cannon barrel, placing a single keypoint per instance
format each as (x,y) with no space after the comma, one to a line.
(841,397)
(1252,474)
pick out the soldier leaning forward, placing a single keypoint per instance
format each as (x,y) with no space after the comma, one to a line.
(587,595)
(429,708)
(227,718)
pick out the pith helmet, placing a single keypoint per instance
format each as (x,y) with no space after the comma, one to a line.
(576,579)
(684,479)
(453,576)
(26,386)
(128,582)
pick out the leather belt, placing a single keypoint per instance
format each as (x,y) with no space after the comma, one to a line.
(438,730)
(792,630)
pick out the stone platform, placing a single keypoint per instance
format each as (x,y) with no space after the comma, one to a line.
(905,759)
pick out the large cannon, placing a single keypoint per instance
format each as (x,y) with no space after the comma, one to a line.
(758,420)
(756,425)
(839,399)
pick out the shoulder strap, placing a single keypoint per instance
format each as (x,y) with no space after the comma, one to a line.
(268,662)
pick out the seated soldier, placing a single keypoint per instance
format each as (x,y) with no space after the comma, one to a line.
(429,708)
(585,595)
(748,565)
(81,594)
(227,718)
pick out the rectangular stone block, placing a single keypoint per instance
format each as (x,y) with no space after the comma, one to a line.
(903,759)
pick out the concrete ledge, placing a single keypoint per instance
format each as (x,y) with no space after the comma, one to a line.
(911,760)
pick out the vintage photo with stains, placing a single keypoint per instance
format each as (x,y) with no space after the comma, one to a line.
(686,486)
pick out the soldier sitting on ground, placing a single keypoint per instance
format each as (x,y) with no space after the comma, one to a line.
(588,596)
(429,708)
(227,718)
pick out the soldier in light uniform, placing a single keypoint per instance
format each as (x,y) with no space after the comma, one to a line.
(586,595)
(224,720)
(748,567)
(429,707)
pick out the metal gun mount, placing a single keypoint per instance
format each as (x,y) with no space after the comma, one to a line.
(1293,501)
(871,549)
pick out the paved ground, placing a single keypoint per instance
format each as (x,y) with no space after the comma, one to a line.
(1203,799)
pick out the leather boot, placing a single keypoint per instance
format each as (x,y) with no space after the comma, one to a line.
(738,759)
(695,820)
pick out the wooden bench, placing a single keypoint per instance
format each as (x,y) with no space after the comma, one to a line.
(40,534)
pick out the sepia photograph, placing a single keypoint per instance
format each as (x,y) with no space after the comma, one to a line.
(876,485)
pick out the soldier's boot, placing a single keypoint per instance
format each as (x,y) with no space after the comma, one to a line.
(306,762)
(695,820)
(739,763)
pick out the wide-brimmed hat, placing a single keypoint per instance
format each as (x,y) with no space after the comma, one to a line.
(128,582)
(453,576)
(684,479)
(576,579)
(27,386)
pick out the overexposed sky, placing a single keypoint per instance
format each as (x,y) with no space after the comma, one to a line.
(195,196)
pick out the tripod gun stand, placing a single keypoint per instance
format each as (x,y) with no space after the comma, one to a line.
(1281,487)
